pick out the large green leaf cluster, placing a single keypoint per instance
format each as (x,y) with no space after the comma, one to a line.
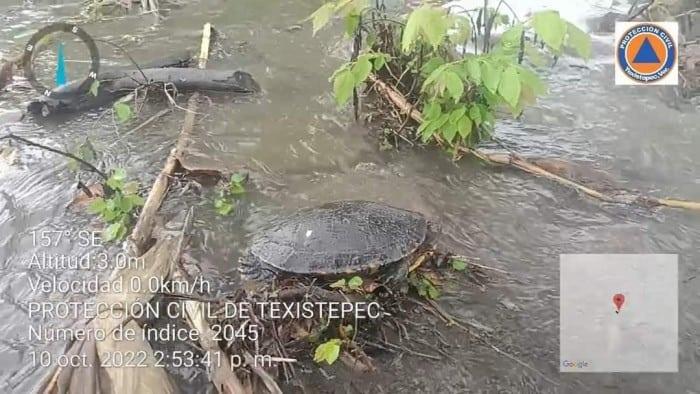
(461,89)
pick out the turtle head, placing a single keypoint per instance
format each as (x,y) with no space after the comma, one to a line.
(434,230)
(253,269)
(245,83)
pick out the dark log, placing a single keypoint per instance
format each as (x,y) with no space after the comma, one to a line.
(116,84)
(185,79)
(181,60)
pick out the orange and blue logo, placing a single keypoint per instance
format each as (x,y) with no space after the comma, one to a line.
(646,53)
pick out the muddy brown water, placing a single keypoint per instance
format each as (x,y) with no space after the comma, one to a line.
(312,153)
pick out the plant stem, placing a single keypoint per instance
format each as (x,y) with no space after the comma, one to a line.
(487,29)
(60,152)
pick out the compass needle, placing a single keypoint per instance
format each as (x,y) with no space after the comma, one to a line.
(61,78)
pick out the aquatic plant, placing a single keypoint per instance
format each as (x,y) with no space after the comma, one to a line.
(354,283)
(122,111)
(117,208)
(444,61)
(226,197)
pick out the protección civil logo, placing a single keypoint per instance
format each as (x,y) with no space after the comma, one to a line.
(646,53)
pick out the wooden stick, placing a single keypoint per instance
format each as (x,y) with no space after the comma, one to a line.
(221,373)
(204,48)
(517,161)
(141,235)
(147,122)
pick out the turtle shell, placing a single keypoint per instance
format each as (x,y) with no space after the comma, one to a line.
(338,238)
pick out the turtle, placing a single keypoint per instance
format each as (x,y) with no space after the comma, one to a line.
(338,239)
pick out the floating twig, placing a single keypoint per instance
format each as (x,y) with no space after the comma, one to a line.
(517,161)
(57,151)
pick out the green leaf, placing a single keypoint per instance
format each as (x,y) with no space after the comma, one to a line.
(462,29)
(223,206)
(458,265)
(427,130)
(509,87)
(432,126)
(490,76)
(97,206)
(352,21)
(550,28)
(135,200)
(379,61)
(119,174)
(457,113)
(411,31)
(343,84)
(238,177)
(361,69)
(510,40)
(449,131)
(109,215)
(475,114)
(534,55)
(236,188)
(124,204)
(579,41)
(431,291)
(122,112)
(130,188)
(339,284)
(123,229)
(486,115)
(321,16)
(531,79)
(94,87)
(73,165)
(328,351)
(116,180)
(431,110)
(370,39)
(454,85)
(473,70)
(434,76)
(441,120)
(113,231)
(464,126)
(431,65)
(435,26)
(511,37)
(427,22)
(355,282)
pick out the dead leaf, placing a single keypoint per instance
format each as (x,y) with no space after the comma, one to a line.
(361,364)
(82,200)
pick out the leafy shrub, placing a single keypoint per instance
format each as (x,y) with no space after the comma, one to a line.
(431,55)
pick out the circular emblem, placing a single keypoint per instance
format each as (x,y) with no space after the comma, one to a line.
(646,53)
(30,53)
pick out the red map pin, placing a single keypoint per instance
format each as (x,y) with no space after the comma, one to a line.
(618,300)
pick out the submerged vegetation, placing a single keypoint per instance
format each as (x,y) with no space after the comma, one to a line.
(117,208)
(225,201)
(444,61)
